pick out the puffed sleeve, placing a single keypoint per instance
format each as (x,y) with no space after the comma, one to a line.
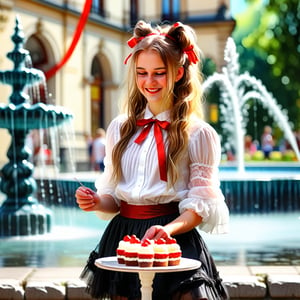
(104,183)
(204,195)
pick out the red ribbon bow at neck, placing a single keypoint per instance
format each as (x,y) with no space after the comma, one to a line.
(161,154)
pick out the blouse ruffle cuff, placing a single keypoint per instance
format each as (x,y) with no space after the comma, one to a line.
(214,213)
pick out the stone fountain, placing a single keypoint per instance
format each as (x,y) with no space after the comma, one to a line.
(236,91)
(21,213)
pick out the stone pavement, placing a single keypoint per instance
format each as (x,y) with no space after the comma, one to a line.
(243,282)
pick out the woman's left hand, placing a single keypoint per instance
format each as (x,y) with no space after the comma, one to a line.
(184,223)
(156,232)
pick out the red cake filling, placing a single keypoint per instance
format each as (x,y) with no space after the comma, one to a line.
(159,253)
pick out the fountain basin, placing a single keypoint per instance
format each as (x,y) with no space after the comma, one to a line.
(260,239)
(262,188)
(32,219)
(258,235)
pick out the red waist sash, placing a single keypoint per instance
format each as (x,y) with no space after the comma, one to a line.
(147,211)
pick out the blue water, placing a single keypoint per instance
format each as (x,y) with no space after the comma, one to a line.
(258,239)
(267,234)
(261,171)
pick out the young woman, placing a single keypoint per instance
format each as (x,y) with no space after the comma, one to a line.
(160,154)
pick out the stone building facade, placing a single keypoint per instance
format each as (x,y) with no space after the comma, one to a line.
(89,82)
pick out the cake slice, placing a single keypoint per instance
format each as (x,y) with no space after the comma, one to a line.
(146,254)
(174,252)
(161,253)
(121,249)
(131,251)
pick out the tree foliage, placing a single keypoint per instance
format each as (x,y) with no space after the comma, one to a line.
(268,40)
(278,40)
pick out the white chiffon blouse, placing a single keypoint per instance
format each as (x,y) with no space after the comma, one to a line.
(198,187)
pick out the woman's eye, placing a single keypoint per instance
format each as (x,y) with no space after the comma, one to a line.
(154,74)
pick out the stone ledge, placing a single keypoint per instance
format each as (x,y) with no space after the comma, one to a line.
(274,270)
(11,289)
(45,290)
(16,273)
(57,275)
(283,286)
(243,283)
(76,291)
(245,286)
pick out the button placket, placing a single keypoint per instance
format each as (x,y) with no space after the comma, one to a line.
(145,146)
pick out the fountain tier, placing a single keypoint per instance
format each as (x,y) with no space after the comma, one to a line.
(21,214)
(27,117)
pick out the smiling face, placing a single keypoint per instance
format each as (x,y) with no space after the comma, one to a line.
(151,77)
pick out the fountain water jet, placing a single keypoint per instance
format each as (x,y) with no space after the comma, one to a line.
(236,90)
(21,214)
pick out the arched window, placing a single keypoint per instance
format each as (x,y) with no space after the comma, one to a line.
(96,87)
(39,60)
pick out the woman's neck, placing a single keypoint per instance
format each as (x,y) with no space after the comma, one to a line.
(157,108)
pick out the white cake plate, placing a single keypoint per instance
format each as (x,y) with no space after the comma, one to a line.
(146,275)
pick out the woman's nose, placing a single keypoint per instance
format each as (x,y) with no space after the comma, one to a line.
(151,79)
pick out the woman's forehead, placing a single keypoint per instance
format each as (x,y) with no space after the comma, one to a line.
(149,59)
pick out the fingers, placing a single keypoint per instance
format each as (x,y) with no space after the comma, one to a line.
(162,234)
(86,198)
(87,206)
(84,191)
(156,232)
(150,234)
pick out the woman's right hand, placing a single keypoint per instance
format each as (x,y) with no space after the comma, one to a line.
(87,199)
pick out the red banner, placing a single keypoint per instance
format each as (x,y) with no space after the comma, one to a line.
(77,34)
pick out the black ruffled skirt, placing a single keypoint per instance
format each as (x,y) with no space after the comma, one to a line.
(202,283)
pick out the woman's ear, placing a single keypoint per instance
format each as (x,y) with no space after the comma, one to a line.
(180,73)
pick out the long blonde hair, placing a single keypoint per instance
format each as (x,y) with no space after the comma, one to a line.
(170,42)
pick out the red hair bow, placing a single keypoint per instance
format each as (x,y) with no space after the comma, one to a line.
(189,51)
(132,42)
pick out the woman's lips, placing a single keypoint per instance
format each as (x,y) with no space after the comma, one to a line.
(153,91)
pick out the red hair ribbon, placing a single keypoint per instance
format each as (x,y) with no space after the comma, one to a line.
(158,126)
(132,42)
(189,51)
(127,58)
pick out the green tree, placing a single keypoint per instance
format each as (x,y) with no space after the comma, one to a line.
(278,38)
(268,40)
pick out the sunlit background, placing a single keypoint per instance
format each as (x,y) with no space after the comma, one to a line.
(263,196)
